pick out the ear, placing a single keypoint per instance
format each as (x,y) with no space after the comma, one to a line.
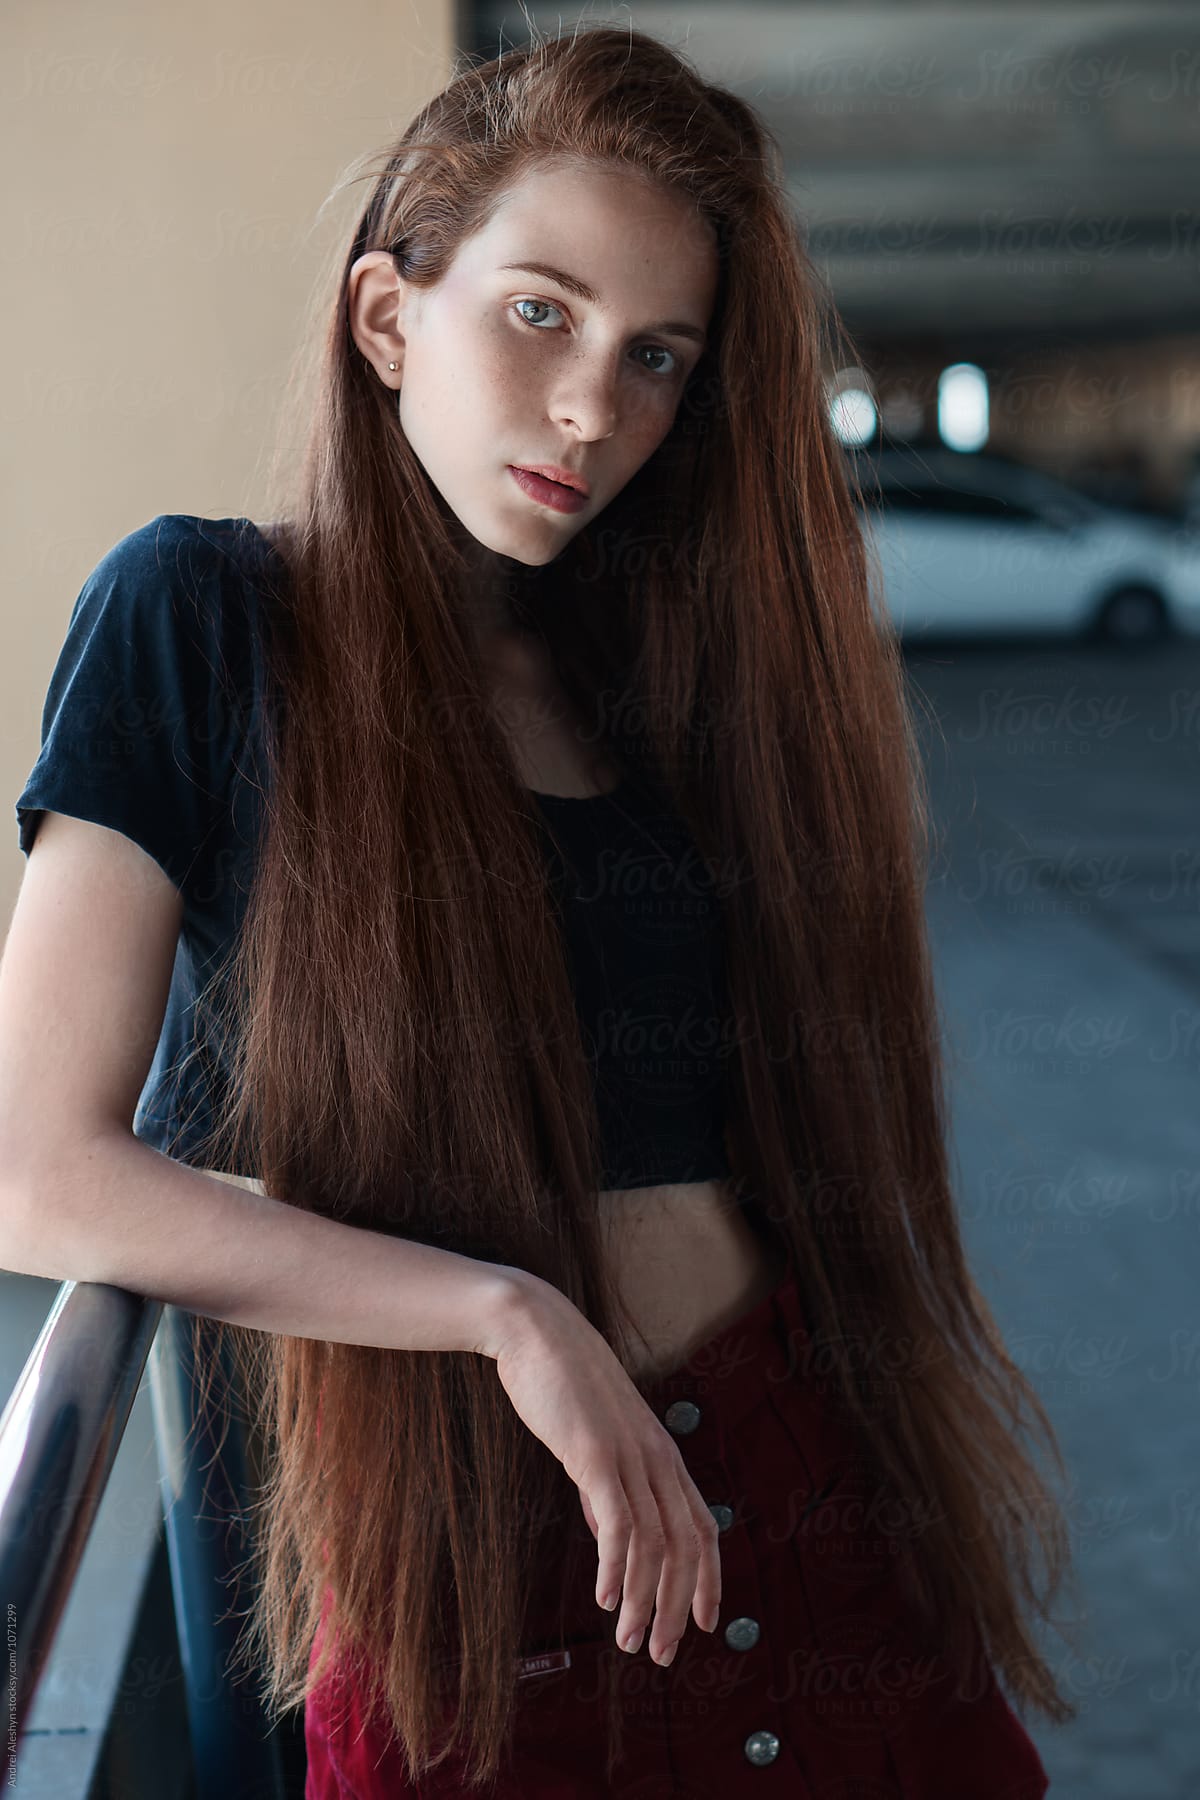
(376,296)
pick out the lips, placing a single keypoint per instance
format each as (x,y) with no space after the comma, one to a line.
(547,491)
(554,472)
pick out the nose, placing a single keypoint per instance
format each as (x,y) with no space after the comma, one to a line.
(586,398)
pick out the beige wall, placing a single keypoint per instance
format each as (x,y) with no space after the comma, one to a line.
(162,240)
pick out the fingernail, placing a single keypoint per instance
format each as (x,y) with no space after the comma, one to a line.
(668,1655)
(608,1602)
(634,1640)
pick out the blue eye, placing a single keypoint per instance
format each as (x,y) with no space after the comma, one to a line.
(537,324)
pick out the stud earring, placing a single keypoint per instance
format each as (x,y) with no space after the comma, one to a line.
(393,365)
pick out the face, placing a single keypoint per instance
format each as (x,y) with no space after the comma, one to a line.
(502,367)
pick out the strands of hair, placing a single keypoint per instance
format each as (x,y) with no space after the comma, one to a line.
(407,1055)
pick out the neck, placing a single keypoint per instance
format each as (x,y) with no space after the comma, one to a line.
(493,582)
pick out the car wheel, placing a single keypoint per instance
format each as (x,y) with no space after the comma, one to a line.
(1133,615)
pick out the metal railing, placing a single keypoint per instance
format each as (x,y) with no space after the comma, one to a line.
(59,1437)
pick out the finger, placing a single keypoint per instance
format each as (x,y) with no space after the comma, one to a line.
(643,1565)
(589,1515)
(707,1601)
(614,1525)
(681,1566)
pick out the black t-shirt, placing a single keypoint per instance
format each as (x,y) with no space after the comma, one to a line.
(153,726)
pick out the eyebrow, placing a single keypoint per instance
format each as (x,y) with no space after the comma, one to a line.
(573,285)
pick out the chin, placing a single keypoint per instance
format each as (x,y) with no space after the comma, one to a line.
(534,559)
(532,550)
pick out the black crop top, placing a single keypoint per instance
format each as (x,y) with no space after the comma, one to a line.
(644,945)
(152,725)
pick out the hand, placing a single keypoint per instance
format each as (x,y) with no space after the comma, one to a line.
(657,1539)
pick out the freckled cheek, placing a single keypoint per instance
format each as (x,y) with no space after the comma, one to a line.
(500,404)
(647,421)
(500,378)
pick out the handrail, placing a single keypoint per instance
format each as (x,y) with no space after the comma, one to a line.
(60,1433)
(59,1437)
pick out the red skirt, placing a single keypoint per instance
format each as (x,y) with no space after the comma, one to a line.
(813,1685)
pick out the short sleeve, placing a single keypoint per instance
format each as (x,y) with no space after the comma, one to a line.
(140,721)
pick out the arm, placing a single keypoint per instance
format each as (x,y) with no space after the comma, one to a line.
(83,986)
(112,1209)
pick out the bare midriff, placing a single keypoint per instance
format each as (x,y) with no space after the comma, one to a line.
(687,1262)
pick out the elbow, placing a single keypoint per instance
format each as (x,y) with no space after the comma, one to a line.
(40,1217)
(26,1248)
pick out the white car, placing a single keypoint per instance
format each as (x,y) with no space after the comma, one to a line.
(972,544)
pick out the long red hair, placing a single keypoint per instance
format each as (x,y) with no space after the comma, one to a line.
(407,1055)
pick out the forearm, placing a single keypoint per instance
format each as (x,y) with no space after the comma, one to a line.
(116,1210)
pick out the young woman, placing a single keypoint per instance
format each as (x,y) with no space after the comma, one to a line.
(542,805)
